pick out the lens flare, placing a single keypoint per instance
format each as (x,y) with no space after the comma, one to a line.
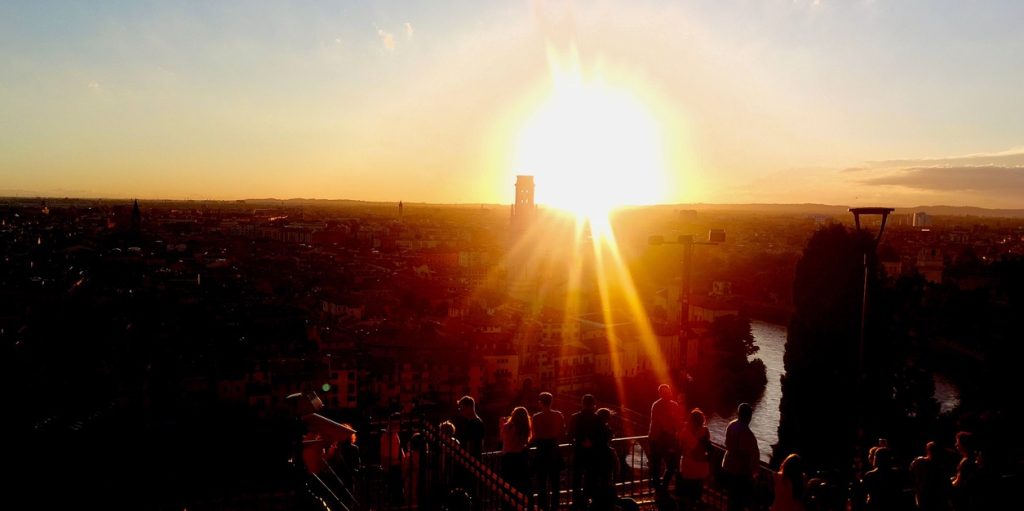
(592,144)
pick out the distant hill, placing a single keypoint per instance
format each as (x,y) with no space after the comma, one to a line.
(827,209)
(20,196)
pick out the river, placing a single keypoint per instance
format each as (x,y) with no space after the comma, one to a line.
(771,339)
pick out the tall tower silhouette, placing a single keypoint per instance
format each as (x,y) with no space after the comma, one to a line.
(521,271)
(136,216)
(524,209)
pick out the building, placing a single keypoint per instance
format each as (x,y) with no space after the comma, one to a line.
(922,219)
(524,209)
(521,268)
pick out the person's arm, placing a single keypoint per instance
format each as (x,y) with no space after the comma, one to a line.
(957,480)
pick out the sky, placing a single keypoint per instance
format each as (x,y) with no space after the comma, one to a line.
(856,102)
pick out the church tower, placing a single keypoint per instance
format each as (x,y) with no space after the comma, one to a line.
(524,209)
(521,268)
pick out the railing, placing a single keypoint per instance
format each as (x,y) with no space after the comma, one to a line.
(633,479)
(442,475)
(449,478)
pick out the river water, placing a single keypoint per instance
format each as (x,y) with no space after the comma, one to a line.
(771,339)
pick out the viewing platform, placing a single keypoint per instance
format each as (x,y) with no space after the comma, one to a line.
(447,477)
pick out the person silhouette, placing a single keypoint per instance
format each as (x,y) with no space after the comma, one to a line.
(741,461)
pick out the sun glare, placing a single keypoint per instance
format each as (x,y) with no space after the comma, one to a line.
(592,145)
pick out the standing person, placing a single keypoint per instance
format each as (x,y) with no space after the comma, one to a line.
(583,428)
(446,465)
(548,430)
(882,484)
(346,461)
(415,470)
(606,464)
(694,467)
(931,485)
(741,461)
(662,438)
(469,427)
(516,434)
(965,481)
(790,483)
(392,457)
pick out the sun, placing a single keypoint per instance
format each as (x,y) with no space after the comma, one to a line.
(592,146)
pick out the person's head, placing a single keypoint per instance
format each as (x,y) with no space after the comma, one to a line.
(793,469)
(792,465)
(697,419)
(664,391)
(447,428)
(520,419)
(965,443)
(545,399)
(604,414)
(883,457)
(417,442)
(744,412)
(931,450)
(519,413)
(467,406)
(587,402)
(394,422)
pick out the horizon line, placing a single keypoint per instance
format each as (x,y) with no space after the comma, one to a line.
(465,204)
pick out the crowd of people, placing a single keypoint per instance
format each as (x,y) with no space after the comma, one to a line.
(679,462)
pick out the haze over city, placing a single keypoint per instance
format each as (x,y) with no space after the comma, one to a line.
(778,101)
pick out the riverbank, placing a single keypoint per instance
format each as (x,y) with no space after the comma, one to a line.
(770,339)
(778,315)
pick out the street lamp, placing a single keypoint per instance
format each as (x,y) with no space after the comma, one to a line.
(715,237)
(857,212)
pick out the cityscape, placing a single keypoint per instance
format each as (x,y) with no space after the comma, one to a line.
(504,257)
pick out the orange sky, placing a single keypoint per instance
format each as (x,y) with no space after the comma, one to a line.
(735,101)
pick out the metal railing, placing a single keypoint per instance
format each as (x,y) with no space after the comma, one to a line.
(445,476)
(439,475)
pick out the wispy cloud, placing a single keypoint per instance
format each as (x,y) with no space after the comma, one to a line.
(93,85)
(1001,180)
(1011,157)
(387,39)
(409,31)
(994,175)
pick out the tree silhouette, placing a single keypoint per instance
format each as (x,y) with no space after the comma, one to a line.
(725,377)
(825,411)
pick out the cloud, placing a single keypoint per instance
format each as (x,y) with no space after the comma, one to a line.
(94,85)
(1000,180)
(1010,157)
(850,170)
(387,39)
(409,30)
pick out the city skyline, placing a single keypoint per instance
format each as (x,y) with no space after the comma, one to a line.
(851,103)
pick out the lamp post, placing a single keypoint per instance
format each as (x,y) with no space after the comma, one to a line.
(715,237)
(857,212)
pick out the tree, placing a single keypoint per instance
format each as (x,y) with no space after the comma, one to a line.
(727,377)
(827,408)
